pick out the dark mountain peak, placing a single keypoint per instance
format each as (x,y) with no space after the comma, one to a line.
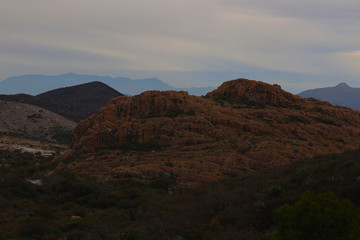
(96,84)
(85,90)
(342,85)
(79,101)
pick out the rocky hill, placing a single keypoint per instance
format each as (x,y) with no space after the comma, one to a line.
(242,126)
(75,103)
(250,91)
(341,95)
(28,121)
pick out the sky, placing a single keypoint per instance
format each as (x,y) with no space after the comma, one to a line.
(297,44)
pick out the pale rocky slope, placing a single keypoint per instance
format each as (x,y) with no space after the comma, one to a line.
(29,121)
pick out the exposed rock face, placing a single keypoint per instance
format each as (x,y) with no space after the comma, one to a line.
(146,118)
(255,91)
(201,139)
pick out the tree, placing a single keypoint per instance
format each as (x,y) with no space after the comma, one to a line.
(318,217)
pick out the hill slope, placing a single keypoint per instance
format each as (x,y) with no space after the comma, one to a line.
(75,103)
(242,126)
(341,95)
(30,121)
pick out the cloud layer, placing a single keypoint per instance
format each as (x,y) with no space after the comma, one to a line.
(319,38)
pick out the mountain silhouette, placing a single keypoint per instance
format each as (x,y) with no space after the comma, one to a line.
(341,95)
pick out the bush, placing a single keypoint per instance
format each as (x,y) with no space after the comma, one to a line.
(163,182)
(271,192)
(302,175)
(174,112)
(130,234)
(315,217)
(61,134)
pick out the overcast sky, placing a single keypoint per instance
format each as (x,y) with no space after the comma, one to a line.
(297,44)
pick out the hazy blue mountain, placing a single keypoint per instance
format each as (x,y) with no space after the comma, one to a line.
(342,95)
(198,91)
(36,84)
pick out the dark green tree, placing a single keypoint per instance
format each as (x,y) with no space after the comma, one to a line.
(317,217)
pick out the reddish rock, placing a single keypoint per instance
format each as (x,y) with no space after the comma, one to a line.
(201,139)
(255,91)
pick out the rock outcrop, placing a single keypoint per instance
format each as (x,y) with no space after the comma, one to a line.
(247,91)
(201,139)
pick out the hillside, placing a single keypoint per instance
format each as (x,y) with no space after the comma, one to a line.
(25,84)
(341,95)
(28,121)
(74,103)
(236,207)
(242,126)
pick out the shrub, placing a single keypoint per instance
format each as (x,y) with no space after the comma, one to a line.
(34,117)
(315,217)
(163,182)
(61,134)
(271,192)
(174,112)
(302,175)
(130,234)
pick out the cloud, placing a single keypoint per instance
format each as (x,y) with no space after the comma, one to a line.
(329,10)
(181,36)
(350,61)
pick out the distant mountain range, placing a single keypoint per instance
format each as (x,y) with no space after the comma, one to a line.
(342,95)
(75,103)
(36,84)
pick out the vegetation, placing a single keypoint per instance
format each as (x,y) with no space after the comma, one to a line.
(34,117)
(318,216)
(175,112)
(261,205)
(62,135)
